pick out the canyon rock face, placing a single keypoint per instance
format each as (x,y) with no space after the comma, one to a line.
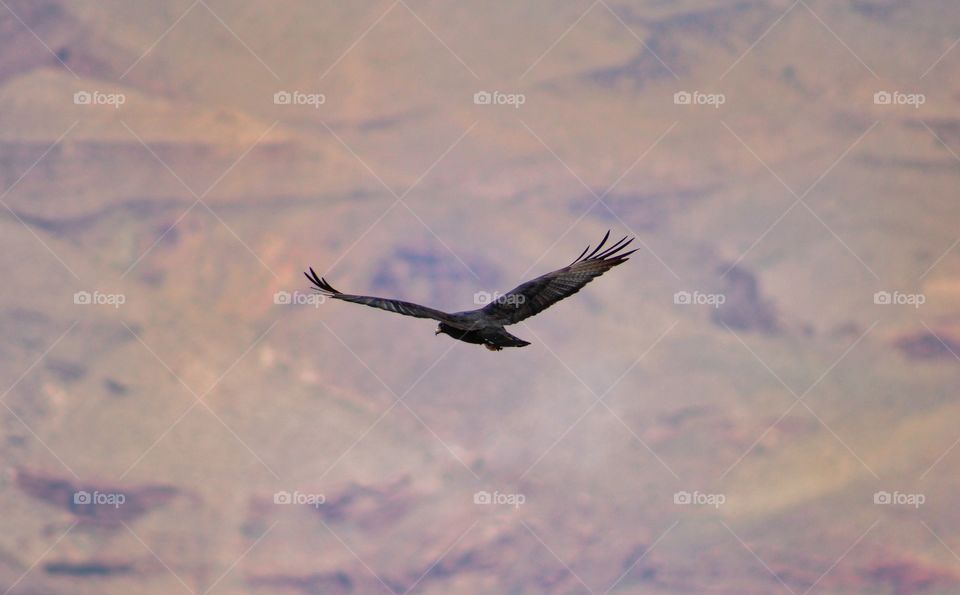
(181,414)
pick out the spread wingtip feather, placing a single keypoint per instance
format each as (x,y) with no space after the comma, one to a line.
(319,283)
(612,252)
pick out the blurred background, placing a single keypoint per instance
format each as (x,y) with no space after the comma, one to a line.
(763,400)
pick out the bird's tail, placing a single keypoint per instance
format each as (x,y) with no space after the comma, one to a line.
(508,340)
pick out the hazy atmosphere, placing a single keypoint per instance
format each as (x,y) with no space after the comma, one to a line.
(762,400)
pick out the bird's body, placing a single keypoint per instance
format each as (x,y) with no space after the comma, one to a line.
(485,326)
(493,338)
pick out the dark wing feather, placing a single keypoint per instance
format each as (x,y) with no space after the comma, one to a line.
(539,294)
(321,286)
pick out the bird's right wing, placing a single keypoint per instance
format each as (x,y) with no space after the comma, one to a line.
(539,294)
(400,307)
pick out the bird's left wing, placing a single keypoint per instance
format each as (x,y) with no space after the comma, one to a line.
(539,294)
(400,307)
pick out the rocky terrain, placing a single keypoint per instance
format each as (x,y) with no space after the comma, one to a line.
(762,400)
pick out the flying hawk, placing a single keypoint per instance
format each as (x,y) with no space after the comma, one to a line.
(484,326)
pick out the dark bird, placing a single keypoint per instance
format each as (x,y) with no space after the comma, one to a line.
(484,326)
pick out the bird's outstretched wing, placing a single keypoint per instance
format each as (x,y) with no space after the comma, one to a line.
(539,294)
(406,308)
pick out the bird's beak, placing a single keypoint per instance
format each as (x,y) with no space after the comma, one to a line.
(437,332)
